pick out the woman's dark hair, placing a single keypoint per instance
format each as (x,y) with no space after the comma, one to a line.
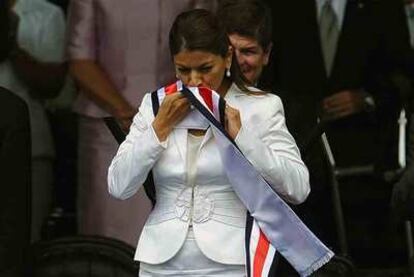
(5,44)
(249,18)
(201,30)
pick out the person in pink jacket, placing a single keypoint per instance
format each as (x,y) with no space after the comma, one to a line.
(118,51)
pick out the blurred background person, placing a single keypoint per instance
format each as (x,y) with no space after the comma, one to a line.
(35,70)
(15,159)
(332,61)
(117,52)
(15,164)
(249,26)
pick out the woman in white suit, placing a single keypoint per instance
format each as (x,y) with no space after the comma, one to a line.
(197,226)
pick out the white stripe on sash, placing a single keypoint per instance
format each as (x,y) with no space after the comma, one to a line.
(262,253)
(254,241)
(161,94)
(269,260)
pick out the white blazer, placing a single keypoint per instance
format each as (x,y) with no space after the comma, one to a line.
(216,213)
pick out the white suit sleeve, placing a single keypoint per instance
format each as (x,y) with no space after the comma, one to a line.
(273,151)
(136,155)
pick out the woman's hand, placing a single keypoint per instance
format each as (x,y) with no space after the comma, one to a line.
(173,109)
(232,122)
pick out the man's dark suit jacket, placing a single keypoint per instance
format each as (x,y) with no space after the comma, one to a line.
(15,157)
(368,46)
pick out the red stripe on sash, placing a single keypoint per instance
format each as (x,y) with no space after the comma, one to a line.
(207,96)
(260,255)
(171,89)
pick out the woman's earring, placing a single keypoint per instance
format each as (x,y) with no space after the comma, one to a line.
(228,73)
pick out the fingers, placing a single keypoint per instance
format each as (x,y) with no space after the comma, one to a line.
(174,99)
(173,109)
(232,121)
(338,99)
(125,124)
(341,110)
(181,106)
(231,113)
(124,116)
(175,102)
(342,104)
(226,119)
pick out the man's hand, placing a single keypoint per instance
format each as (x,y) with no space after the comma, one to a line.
(124,117)
(343,103)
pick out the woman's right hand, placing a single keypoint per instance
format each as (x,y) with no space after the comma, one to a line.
(173,109)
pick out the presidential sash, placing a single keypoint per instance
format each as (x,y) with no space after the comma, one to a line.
(271,224)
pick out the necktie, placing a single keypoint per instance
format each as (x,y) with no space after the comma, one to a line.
(410,19)
(329,33)
(411,12)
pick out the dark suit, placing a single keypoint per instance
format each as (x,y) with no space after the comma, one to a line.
(15,160)
(403,191)
(361,62)
(365,55)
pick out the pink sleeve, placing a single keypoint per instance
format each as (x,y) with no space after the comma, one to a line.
(81,43)
(205,4)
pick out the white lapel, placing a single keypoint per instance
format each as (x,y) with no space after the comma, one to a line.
(207,137)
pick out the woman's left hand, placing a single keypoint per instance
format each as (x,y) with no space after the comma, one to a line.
(232,123)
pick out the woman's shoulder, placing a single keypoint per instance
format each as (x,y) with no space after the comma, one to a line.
(146,106)
(259,97)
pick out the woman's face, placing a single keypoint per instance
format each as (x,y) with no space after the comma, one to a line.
(250,56)
(200,68)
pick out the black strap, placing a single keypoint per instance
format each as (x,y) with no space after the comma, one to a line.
(155,103)
(120,136)
(115,129)
(222,108)
(247,234)
(149,185)
(149,188)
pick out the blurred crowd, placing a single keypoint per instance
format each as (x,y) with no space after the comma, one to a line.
(343,68)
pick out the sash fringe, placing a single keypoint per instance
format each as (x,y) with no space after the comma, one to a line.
(317,264)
